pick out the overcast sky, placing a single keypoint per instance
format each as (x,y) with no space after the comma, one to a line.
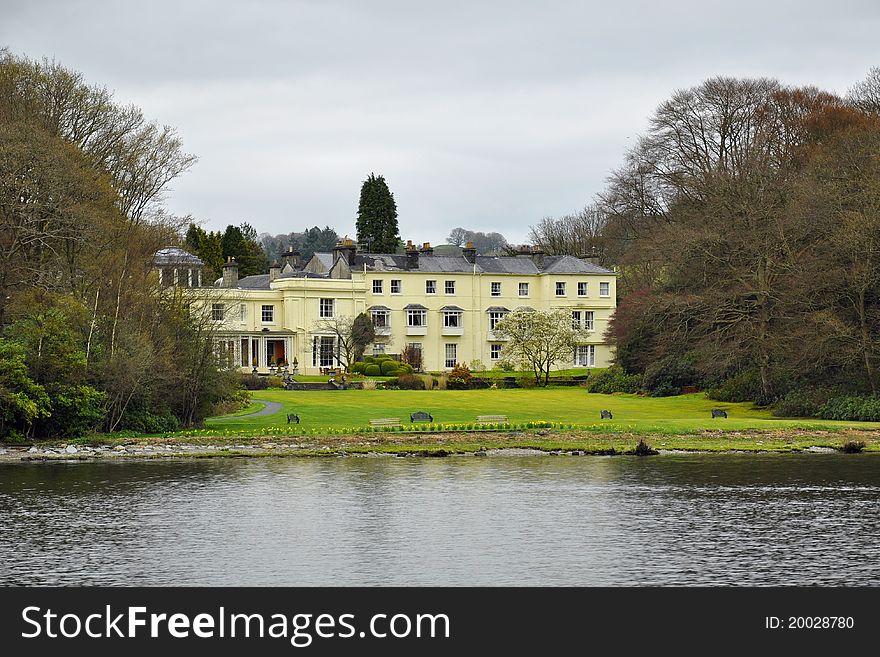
(486,115)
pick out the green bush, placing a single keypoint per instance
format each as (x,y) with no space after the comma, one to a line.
(405,368)
(372,370)
(369,360)
(614,379)
(358,367)
(851,407)
(76,411)
(388,366)
(668,376)
(145,421)
(743,386)
(802,402)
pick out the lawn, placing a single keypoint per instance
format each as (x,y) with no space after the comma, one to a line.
(341,409)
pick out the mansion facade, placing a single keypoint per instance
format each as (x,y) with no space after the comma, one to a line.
(446,307)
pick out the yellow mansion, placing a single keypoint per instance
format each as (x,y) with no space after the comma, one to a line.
(444,306)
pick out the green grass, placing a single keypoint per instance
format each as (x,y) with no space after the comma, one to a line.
(685,414)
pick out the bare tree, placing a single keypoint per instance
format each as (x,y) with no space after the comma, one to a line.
(578,234)
(352,335)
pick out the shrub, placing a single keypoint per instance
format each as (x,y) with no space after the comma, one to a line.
(369,360)
(853,447)
(147,421)
(274,382)
(851,407)
(372,370)
(459,377)
(668,376)
(388,367)
(644,449)
(410,382)
(76,410)
(254,382)
(526,381)
(802,402)
(614,379)
(406,368)
(357,367)
(743,386)
(368,385)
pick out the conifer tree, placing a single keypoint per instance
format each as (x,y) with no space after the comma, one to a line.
(377,230)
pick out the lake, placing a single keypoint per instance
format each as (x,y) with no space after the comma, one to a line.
(681,519)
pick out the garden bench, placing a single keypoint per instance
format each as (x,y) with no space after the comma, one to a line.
(717,412)
(385,422)
(606,415)
(292,417)
(496,419)
(421,416)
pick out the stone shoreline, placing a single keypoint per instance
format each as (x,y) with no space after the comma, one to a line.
(541,442)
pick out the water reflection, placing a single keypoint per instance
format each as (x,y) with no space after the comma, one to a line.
(670,520)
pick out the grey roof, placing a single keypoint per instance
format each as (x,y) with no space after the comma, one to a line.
(567,264)
(415,306)
(453,309)
(258,282)
(497,309)
(440,264)
(325,258)
(379,308)
(507,265)
(171,255)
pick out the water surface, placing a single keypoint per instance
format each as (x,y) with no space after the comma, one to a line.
(520,520)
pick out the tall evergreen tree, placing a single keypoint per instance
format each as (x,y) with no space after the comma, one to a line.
(377,230)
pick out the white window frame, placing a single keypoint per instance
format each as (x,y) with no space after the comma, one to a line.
(378,348)
(378,286)
(576,318)
(560,288)
(494,318)
(605,285)
(268,310)
(396,286)
(587,350)
(495,288)
(523,291)
(412,314)
(384,314)
(495,351)
(447,286)
(589,320)
(447,359)
(583,289)
(323,308)
(431,286)
(452,319)
(218,309)
(242,312)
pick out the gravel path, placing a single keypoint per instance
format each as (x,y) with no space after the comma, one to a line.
(270,409)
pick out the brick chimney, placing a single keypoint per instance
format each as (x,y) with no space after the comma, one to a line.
(469,253)
(427,249)
(274,271)
(345,248)
(412,255)
(230,273)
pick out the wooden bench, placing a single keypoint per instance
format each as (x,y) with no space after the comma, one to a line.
(421,416)
(495,419)
(386,422)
